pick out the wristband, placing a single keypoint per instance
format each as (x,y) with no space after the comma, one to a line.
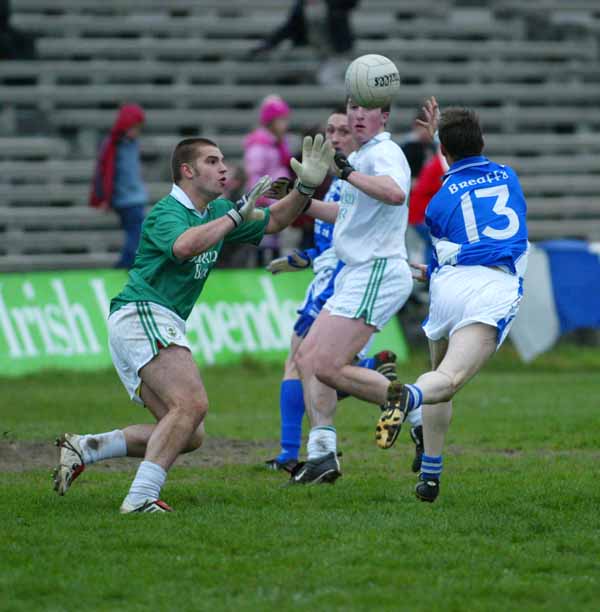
(346,172)
(305,190)
(235,216)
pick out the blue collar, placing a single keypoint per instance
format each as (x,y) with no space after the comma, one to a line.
(466,162)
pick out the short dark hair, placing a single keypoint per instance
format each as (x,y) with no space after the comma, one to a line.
(339,110)
(186,152)
(460,133)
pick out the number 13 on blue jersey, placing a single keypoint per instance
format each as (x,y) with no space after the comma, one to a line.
(500,208)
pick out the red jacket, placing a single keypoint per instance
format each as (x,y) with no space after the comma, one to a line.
(104,176)
(427,185)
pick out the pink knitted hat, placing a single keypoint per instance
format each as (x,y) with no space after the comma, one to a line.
(273,107)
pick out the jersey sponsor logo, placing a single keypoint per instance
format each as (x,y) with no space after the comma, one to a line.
(204,263)
(488,178)
(209,257)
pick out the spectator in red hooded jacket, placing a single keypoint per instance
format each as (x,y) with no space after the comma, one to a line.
(118,180)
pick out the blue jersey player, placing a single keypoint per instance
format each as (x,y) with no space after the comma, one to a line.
(325,266)
(478,224)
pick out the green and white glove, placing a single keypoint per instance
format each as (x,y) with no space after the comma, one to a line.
(245,207)
(317,156)
(294,262)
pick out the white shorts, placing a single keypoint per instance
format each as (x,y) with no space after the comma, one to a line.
(462,295)
(136,332)
(374,291)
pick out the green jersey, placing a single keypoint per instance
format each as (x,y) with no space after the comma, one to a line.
(157,275)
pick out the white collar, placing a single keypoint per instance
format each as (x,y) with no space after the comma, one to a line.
(182,197)
(377,138)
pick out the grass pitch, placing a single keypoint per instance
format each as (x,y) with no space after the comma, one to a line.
(516,526)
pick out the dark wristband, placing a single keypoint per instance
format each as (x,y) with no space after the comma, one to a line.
(345,172)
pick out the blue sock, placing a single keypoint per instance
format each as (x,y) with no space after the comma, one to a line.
(416,396)
(291,404)
(367,362)
(431,467)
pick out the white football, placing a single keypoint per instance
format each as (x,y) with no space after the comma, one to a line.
(372,80)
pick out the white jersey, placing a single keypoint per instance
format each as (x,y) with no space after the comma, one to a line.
(365,228)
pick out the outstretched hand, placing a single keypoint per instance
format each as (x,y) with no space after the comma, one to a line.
(432,114)
(245,207)
(280,188)
(294,262)
(317,156)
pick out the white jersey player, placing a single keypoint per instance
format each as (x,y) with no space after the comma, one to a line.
(370,223)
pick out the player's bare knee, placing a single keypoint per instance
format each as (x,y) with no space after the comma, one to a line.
(199,408)
(191,409)
(196,439)
(451,385)
(327,369)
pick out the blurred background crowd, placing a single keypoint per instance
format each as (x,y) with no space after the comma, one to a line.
(94,96)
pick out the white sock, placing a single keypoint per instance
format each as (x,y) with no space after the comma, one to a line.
(321,440)
(415,417)
(97,447)
(147,483)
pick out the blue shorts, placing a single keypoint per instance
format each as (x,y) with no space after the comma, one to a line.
(318,292)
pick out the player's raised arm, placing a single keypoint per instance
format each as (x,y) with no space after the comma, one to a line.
(317,156)
(197,240)
(382,188)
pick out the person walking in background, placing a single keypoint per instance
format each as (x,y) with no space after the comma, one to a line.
(267,152)
(326,26)
(118,182)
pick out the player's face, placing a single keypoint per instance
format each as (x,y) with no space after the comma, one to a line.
(365,122)
(208,173)
(339,135)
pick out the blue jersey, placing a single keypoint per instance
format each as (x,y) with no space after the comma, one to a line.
(480,209)
(323,231)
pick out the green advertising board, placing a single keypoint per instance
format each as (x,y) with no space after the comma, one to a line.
(58,319)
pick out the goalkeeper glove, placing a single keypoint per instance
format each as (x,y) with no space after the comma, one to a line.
(343,168)
(317,156)
(295,262)
(244,209)
(280,188)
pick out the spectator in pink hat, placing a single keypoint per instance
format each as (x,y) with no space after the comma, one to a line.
(267,151)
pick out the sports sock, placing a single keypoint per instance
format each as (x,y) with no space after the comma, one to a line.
(147,483)
(415,396)
(97,447)
(321,441)
(431,467)
(415,417)
(291,406)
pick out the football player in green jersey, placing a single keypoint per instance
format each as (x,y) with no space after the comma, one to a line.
(180,244)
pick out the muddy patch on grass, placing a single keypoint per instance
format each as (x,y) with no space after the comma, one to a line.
(20,456)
